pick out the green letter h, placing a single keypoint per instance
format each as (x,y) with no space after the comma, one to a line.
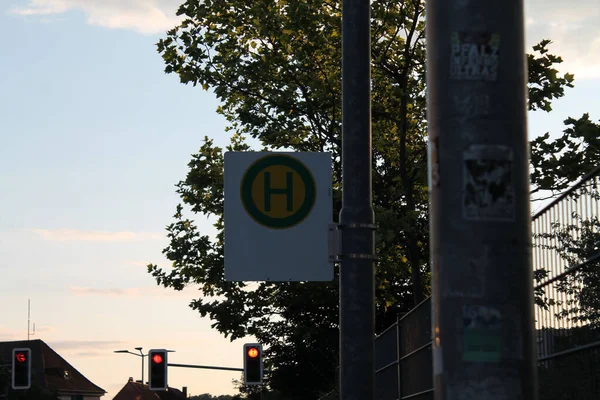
(288,191)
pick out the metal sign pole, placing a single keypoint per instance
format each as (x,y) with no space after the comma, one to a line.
(357,289)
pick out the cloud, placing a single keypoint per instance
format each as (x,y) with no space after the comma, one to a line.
(87,348)
(570,25)
(138,264)
(92,353)
(95,236)
(143,16)
(152,291)
(45,329)
(41,7)
(113,292)
(572,28)
(84,344)
(21,334)
(10,335)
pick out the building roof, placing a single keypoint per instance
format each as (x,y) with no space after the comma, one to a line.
(50,370)
(137,391)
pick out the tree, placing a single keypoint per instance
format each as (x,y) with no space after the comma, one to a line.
(275,67)
(560,162)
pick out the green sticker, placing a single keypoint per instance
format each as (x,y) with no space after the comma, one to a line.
(482,340)
(482,345)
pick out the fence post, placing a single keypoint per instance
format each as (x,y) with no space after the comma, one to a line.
(399,356)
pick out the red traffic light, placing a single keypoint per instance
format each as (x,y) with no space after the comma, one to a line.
(21,368)
(21,357)
(157,358)
(157,369)
(252,352)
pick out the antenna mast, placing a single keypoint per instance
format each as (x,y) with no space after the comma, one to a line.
(29,319)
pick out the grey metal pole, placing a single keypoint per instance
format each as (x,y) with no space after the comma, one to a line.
(357,289)
(480,217)
(205,367)
(143,368)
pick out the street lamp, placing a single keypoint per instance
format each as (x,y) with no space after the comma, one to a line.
(139,355)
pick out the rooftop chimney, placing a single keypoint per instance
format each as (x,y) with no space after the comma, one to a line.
(185,392)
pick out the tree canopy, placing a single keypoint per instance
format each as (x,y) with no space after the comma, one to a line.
(275,66)
(559,162)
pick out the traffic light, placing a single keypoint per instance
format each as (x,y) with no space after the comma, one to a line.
(157,370)
(253,371)
(21,368)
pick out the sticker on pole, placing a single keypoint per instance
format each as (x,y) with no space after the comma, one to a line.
(474,56)
(278,191)
(482,339)
(488,189)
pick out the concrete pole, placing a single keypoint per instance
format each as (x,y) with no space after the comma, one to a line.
(480,218)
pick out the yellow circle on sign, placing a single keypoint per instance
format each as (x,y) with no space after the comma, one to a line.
(278,191)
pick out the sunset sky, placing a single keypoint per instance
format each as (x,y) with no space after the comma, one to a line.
(94,136)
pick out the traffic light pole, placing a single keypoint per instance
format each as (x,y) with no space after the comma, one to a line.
(479,189)
(143,356)
(357,288)
(206,367)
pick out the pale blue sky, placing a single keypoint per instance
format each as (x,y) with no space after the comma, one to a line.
(93,138)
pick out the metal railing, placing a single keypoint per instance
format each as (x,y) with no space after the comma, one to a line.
(387,382)
(566,240)
(566,262)
(403,368)
(566,259)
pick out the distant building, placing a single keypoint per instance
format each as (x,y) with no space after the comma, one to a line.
(50,371)
(137,391)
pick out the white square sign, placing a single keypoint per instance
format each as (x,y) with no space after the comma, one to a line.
(278,206)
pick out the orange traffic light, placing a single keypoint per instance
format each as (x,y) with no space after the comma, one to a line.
(253,371)
(253,352)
